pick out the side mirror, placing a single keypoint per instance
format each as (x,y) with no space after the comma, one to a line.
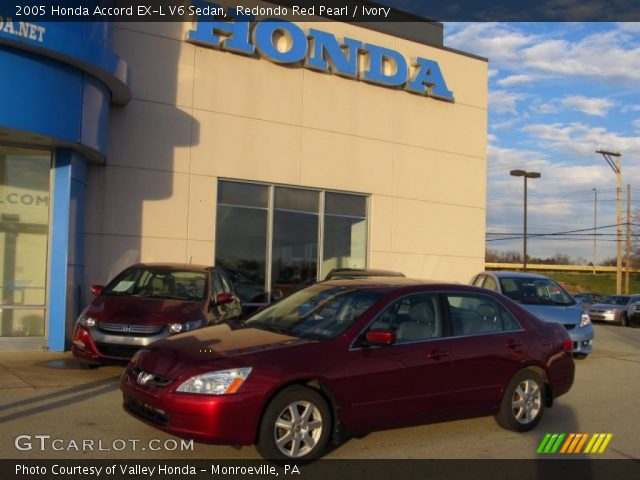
(380,338)
(223,298)
(97,289)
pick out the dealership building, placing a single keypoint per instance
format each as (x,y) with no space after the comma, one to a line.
(278,150)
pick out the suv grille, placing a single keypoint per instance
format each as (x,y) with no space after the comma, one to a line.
(130,329)
(569,326)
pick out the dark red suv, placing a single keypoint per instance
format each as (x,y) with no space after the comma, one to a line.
(148,302)
(347,357)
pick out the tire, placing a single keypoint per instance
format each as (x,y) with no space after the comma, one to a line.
(517,412)
(283,437)
(624,320)
(580,356)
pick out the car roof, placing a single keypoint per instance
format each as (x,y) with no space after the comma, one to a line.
(399,283)
(512,274)
(190,267)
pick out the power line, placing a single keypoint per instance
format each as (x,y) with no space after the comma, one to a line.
(558,233)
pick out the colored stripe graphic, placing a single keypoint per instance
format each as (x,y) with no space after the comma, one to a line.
(573,443)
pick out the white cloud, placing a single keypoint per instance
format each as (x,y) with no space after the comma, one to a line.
(591,106)
(630,108)
(503,101)
(512,80)
(581,138)
(612,56)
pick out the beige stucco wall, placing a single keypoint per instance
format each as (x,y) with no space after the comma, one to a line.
(198,114)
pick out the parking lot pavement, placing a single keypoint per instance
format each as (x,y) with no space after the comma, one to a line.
(48,394)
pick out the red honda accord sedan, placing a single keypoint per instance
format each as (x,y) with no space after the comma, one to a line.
(347,357)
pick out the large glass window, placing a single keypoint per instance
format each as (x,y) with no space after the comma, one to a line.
(345,231)
(294,262)
(274,240)
(241,238)
(24,233)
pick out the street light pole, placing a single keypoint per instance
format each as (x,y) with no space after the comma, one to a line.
(526,175)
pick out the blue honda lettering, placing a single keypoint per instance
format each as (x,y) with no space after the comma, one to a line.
(263,37)
(378,57)
(429,80)
(232,36)
(327,54)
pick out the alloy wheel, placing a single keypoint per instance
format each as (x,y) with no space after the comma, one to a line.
(526,402)
(298,428)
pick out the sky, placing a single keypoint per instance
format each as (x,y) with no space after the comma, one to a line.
(557,93)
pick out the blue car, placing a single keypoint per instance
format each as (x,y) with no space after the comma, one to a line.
(545,299)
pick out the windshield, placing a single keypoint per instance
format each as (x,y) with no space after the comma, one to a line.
(158,283)
(616,300)
(317,312)
(535,291)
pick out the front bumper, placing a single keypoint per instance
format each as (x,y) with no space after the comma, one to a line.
(582,339)
(93,345)
(225,419)
(609,317)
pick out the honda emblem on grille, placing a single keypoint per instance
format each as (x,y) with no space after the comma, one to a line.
(144,377)
(127,328)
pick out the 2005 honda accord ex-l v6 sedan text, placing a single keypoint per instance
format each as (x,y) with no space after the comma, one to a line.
(346,357)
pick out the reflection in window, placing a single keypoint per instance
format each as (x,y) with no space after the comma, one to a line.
(295,240)
(345,232)
(24,229)
(267,237)
(241,237)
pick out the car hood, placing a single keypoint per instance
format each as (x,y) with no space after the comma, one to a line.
(143,311)
(569,314)
(607,306)
(194,350)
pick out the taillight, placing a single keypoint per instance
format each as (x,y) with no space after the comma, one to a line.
(567,345)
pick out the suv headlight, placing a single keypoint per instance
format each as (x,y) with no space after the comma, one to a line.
(584,320)
(223,382)
(86,321)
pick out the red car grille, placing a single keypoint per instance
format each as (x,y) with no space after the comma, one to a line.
(130,329)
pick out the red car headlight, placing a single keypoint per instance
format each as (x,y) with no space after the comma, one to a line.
(223,382)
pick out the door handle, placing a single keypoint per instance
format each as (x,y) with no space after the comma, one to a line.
(514,343)
(437,354)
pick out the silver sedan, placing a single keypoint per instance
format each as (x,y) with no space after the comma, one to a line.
(616,309)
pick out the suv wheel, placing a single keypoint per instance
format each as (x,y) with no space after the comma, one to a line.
(295,425)
(523,402)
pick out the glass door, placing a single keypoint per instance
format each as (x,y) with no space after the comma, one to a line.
(24,238)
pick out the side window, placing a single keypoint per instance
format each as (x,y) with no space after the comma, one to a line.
(216,283)
(479,281)
(490,284)
(509,322)
(412,318)
(473,314)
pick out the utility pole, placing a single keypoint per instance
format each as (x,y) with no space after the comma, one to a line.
(617,169)
(595,226)
(628,260)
